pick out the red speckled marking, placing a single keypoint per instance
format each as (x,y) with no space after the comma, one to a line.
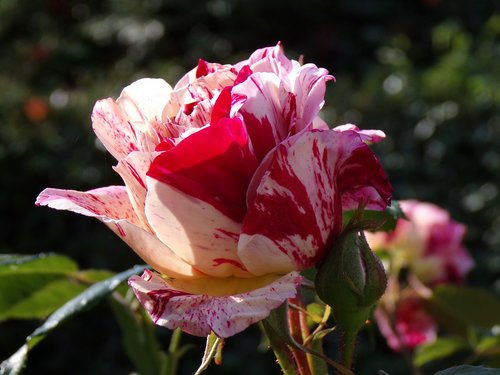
(201,314)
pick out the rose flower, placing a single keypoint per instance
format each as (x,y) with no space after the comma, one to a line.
(232,184)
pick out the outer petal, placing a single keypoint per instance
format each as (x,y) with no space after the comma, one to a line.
(113,129)
(132,170)
(196,196)
(133,122)
(360,175)
(107,204)
(143,102)
(200,314)
(297,207)
(111,205)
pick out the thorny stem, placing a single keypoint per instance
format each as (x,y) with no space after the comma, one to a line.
(297,331)
(281,351)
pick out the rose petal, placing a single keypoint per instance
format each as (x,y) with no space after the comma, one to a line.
(308,84)
(106,204)
(111,205)
(113,129)
(361,178)
(207,70)
(132,170)
(142,102)
(369,136)
(201,314)
(297,207)
(196,196)
(133,122)
(264,106)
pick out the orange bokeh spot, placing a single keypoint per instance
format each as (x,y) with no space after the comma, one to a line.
(36,109)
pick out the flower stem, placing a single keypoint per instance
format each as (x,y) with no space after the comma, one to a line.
(349,344)
(281,351)
(173,355)
(298,331)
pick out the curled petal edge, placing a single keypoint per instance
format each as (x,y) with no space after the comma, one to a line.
(200,314)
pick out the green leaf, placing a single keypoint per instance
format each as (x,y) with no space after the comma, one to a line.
(315,313)
(469,370)
(40,263)
(139,338)
(439,349)
(21,278)
(84,301)
(93,276)
(43,301)
(458,308)
(488,343)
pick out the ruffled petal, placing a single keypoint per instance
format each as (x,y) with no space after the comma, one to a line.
(142,102)
(196,196)
(296,209)
(369,136)
(133,122)
(111,205)
(361,178)
(308,84)
(208,70)
(113,129)
(265,107)
(201,314)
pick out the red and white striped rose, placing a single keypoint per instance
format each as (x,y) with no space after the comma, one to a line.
(232,184)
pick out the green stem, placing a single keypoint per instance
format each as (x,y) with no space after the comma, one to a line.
(348,346)
(281,351)
(173,357)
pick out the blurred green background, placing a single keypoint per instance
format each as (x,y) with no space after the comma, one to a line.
(427,72)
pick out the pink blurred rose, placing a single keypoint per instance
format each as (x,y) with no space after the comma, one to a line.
(429,243)
(233,184)
(410,326)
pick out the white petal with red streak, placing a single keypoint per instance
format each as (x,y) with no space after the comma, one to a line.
(111,205)
(261,101)
(113,129)
(196,197)
(142,102)
(133,171)
(308,83)
(196,231)
(107,203)
(295,209)
(201,314)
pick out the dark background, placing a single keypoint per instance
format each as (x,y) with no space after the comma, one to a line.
(426,72)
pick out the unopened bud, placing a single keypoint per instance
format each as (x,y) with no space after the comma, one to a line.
(351,279)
